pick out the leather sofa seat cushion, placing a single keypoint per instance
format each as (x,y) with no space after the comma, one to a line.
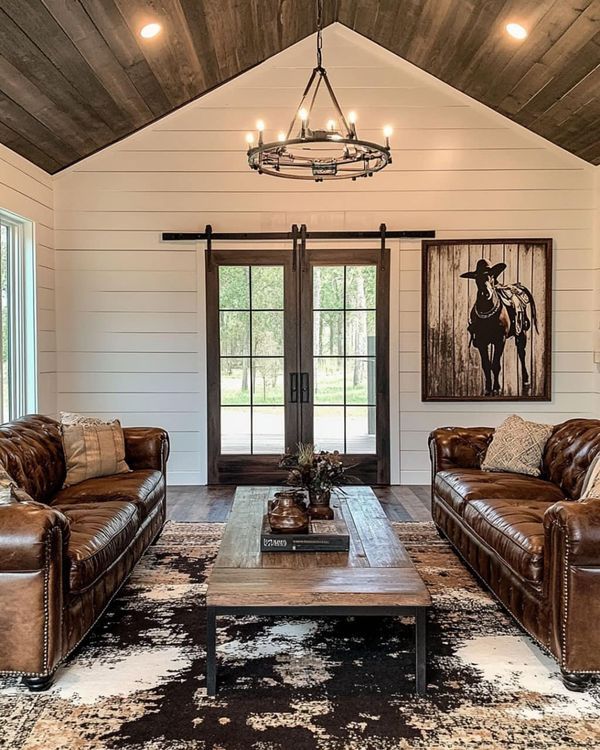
(100,533)
(144,488)
(458,487)
(515,530)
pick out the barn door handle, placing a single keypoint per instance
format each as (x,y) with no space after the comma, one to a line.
(304,387)
(294,387)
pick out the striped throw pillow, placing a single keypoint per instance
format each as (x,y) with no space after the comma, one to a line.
(93,450)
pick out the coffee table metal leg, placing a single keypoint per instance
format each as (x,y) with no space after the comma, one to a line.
(211,651)
(421,649)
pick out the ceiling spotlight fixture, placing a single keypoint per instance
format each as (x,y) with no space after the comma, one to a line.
(332,151)
(516,30)
(150,30)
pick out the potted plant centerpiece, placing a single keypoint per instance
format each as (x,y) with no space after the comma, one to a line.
(318,472)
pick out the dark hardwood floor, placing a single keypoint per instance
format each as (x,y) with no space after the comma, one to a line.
(211,504)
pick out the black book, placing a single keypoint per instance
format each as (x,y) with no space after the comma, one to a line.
(323,536)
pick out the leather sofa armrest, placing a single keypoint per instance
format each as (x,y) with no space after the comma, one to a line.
(578,525)
(572,582)
(458,447)
(25,530)
(33,542)
(146,448)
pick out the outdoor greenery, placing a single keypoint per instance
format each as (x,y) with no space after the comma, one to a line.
(252,342)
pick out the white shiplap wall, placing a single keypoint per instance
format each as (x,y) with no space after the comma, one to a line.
(130,309)
(27,191)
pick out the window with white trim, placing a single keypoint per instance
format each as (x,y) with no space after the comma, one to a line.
(18,374)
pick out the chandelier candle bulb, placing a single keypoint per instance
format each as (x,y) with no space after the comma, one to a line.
(331,125)
(281,137)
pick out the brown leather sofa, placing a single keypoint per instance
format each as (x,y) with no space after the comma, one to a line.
(528,539)
(63,557)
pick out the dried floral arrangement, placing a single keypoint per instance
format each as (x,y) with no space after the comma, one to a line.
(315,471)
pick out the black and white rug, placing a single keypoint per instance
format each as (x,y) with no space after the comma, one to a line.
(332,684)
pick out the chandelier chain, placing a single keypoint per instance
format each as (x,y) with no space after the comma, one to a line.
(319,34)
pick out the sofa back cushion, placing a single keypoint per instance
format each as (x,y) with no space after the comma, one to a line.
(31,452)
(569,452)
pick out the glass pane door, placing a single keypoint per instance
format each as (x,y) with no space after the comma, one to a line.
(344,358)
(252,362)
(251,305)
(344,311)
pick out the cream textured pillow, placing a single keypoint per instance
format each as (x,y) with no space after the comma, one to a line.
(93,450)
(517,446)
(70,417)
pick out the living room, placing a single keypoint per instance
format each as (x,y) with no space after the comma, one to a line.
(316,461)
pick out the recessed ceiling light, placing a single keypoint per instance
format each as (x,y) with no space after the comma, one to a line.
(516,30)
(150,30)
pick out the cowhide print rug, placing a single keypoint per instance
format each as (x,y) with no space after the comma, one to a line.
(138,681)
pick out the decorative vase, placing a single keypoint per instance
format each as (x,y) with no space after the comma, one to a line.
(287,515)
(318,505)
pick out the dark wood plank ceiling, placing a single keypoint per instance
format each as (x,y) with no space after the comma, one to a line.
(75,75)
(550,83)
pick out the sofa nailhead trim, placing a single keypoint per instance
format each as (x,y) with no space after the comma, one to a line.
(6,673)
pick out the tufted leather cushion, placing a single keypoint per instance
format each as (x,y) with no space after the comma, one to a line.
(31,452)
(515,530)
(100,533)
(569,452)
(143,488)
(460,486)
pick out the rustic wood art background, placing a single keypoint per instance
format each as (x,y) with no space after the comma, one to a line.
(508,290)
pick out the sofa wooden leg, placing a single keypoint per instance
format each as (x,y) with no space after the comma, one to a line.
(38,684)
(576,682)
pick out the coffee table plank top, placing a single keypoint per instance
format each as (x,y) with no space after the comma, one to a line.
(377,570)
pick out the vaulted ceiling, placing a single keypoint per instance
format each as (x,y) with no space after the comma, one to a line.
(75,75)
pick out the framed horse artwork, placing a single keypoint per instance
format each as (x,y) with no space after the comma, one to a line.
(486,320)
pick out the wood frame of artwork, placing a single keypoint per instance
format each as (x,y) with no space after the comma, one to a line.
(452,364)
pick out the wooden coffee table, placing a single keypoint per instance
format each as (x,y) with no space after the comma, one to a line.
(376,577)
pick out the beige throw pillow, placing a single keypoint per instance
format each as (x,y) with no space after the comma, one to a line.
(70,417)
(517,446)
(93,450)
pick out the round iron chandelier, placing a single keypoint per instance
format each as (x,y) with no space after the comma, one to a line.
(334,152)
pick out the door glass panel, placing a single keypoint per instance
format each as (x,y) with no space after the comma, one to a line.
(329,427)
(267,287)
(329,380)
(360,332)
(328,333)
(267,333)
(234,287)
(360,380)
(361,286)
(235,381)
(235,429)
(360,429)
(344,358)
(235,334)
(268,381)
(328,287)
(252,369)
(268,429)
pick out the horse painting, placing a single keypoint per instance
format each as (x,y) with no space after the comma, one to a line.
(500,312)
